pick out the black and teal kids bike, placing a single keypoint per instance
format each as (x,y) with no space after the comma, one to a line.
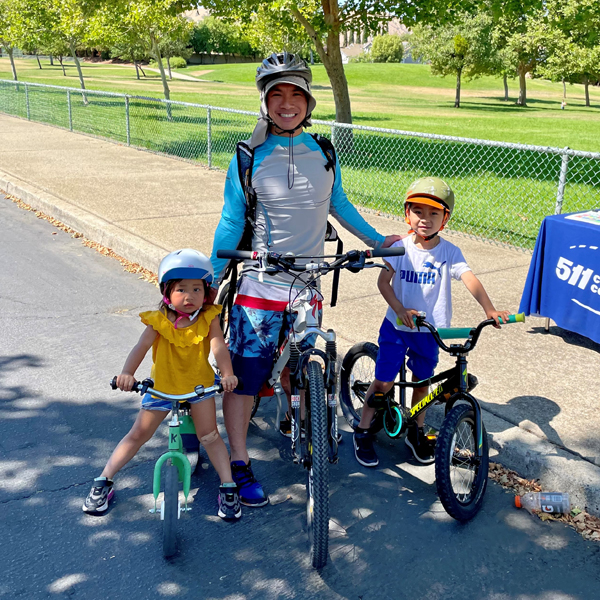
(462,453)
(182,437)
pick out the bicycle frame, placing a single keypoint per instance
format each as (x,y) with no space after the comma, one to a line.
(305,325)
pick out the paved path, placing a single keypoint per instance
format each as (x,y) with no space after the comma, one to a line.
(539,390)
(175,74)
(59,422)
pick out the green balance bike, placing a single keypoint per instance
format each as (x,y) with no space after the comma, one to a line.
(461,453)
(182,438)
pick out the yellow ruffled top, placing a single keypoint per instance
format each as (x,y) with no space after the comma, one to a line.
(180,356)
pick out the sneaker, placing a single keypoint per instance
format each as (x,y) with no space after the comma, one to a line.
(363,448)
(422,446)
(229,502)
(250,491)
(100,495)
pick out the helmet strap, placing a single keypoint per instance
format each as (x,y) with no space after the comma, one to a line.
(182,314)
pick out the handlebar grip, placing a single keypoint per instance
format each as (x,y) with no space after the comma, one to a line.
(236,254)
(518,318)
(450,333)
(113,383)
(382,252)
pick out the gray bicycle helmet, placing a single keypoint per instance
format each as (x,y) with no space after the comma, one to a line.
(185,264)
(275,69)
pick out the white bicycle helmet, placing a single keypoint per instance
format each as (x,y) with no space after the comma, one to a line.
(275,69)
(185,264)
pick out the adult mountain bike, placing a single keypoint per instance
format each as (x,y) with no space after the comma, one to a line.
(312,370)
(461,453)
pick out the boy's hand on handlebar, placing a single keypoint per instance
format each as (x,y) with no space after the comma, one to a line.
(125,382)
(494,314)
(406,316)
(229,383)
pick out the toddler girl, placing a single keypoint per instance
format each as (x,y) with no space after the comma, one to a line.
(181,334)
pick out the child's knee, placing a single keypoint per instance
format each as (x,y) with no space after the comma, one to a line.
(382,386)
(209,438)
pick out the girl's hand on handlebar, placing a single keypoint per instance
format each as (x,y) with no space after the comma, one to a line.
(494,314)
(125,382)
(406,316)
(229,383)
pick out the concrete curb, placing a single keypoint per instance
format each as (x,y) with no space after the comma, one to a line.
(90,225)
(531,456)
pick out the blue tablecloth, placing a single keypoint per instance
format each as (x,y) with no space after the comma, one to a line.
(563,282)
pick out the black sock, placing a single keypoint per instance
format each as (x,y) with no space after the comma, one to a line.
(361,430)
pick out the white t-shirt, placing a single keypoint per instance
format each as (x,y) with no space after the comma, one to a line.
(422,280)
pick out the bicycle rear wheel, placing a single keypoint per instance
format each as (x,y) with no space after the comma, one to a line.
(170,510)
(317,485)
(461,479)
(357,373)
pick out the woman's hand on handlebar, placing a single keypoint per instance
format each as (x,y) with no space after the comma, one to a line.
(125,382)
(229,383)
(494,314)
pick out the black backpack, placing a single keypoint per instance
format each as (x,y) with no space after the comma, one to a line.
(245,160)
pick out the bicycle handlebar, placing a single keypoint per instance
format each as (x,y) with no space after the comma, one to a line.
(354,259)
(147,386)
(471,333)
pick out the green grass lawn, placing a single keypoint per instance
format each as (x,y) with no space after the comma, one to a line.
(503,193)
(396,96)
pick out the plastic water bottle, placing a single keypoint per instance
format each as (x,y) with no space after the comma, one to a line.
(548,502)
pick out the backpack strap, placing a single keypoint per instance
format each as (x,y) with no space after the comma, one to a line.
(327,149)
(245,160)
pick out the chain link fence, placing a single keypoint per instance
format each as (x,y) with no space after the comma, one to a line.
(503,190)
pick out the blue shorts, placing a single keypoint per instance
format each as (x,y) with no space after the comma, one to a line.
(394,345)
(254,337)
(149,402)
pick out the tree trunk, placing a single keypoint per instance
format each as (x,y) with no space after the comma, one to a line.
(586,84)
(141,69)
(38,60)
(60,60)
(137,71)
(505,87)
(169,67)
(163,77)
(457,97)
(564,90)
(522,100)
(79,71)
(51,60)
(12,62)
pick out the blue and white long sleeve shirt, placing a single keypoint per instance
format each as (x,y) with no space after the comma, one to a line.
(287,220)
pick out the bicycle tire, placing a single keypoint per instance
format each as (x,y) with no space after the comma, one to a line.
(317,485)
(359,363)
(460,482)
(171,511)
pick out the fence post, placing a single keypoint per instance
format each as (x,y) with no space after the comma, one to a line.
(27,101)
(127,126)
(70,110)
(208,138)
(562,181)
(333,133)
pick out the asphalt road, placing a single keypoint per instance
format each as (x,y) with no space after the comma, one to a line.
(68,319)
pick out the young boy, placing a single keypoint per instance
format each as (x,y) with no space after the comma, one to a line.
(417,281)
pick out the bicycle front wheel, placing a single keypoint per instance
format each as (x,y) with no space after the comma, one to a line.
(317,487)
(170,511)
(461,478)
(357,373)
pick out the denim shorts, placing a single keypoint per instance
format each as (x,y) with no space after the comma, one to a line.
(149,402)
(254,337)
(394,345)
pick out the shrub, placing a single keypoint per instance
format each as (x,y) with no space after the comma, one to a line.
(387,48)
(178,62)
